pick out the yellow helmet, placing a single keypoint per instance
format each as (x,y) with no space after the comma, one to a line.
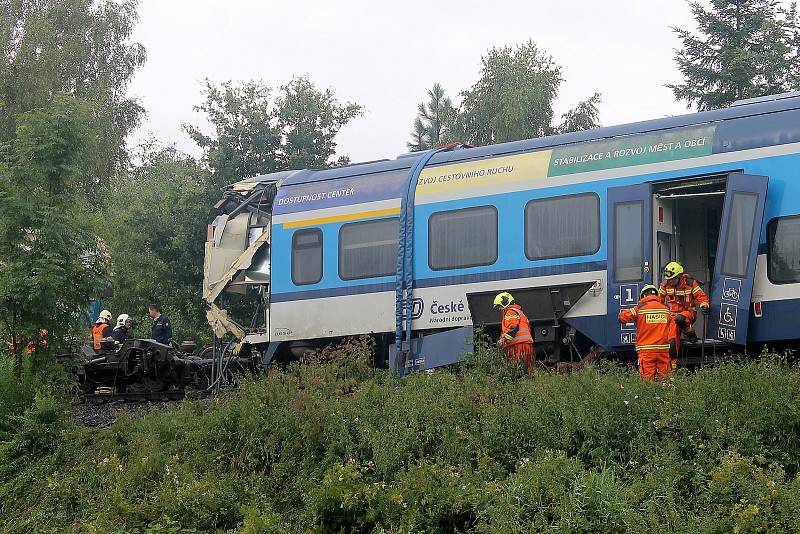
(648,289)
(672,270)
(503,299)
(105,314)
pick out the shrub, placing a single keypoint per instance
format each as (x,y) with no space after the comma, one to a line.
(335,446)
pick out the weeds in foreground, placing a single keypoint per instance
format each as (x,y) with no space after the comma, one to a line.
(336,446)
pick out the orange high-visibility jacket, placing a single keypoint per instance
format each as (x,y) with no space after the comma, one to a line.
(99,331)
(682,294)
(514,319)
(654,323)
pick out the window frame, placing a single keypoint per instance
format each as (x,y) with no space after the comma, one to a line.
(641,204)
(771,225)
(339,251)
(468,266)
(559,197)
(300,232)
(728,231)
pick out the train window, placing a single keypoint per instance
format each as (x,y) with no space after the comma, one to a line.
(628,241)
(738,238)
(783,251)
(307,256)
(368,249)
(462,238)
(562,226)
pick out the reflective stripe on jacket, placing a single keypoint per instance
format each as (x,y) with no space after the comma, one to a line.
(654,323)
(682,293)
(513,316)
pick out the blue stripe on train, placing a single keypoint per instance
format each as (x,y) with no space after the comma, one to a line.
(567,268)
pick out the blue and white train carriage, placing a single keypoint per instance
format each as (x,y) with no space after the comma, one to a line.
(572,225)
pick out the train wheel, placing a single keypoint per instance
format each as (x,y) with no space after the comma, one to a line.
(147,385)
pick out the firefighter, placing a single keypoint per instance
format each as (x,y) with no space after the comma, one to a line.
(680,292)
(516,338)
(32,347)
(655,334)
(162,326)
(101,329)
(120,333)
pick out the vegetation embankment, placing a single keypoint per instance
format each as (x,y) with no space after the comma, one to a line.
(337,447)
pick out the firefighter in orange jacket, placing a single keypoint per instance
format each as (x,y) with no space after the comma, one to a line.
(516,338)
(655,334)
(681,293)
(102,329)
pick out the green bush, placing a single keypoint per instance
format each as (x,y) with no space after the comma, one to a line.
(336,446)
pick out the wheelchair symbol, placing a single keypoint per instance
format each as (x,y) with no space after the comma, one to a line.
(727,315)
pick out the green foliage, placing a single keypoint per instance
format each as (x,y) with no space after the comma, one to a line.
(333,446)
(53,263)
(435,124)
(254,134)
(155,230)
(75,47)
(744,49)
(512,100)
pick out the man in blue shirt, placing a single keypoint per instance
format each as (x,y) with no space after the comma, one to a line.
(162,326)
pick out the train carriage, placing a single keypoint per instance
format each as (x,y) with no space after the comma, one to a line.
(413,249)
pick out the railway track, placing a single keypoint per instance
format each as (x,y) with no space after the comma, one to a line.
(150,396)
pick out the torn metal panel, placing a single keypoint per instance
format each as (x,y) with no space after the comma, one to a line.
(238,266)
(221,325)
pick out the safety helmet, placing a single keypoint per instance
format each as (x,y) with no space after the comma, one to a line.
(105,314)
(648,289)
(503,299)
(122,319)
(672,270)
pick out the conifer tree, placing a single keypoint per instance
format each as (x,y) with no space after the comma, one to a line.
(744,49)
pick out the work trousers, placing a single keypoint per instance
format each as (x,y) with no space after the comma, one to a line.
(654,363)
(521,353)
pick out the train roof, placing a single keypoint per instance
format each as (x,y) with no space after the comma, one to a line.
(741,109)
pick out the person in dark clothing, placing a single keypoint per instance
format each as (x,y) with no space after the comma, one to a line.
(162,326)
(120,333)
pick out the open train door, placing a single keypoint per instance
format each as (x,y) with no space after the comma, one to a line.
(630,236)
(737,249)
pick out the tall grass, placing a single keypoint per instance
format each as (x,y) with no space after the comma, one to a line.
(335,446)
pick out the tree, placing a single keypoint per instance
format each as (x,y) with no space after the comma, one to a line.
(255,135)
(309,120)
(744,49)
(512,100)
(584,116)
(156,231)
(52,261)
(76,47)
(435,123)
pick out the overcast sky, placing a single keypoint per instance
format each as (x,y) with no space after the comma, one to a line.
(385,56)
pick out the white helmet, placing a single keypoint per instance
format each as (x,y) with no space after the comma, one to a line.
(122,319)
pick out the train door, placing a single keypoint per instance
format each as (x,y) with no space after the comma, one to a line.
(686,222)
(629,257)
(735,265)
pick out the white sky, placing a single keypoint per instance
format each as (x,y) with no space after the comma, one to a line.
(386,56)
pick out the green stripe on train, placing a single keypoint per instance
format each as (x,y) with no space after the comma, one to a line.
(634,150)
